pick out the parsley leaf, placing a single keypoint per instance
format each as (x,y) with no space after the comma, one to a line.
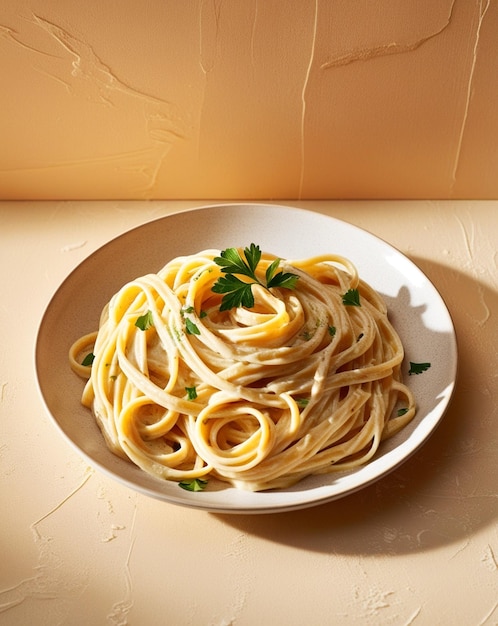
(196,484)
(332,331)
(231,262)
(279,279)
(418,368)
(191,393)
(285,280)
(88,360)
(191,328)
(270,270)
(145,321)
(351,298)
(402,412)
(238,292)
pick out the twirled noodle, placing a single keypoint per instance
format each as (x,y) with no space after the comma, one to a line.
(299,384)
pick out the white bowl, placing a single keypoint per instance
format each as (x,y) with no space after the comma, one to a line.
(416,310)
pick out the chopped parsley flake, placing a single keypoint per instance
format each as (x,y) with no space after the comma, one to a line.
(351,298)
(191,328)
(418,368)
(302,402)
(197,484)
(145,321)
(88,360)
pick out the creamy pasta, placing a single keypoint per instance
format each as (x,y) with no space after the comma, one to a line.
(303,382)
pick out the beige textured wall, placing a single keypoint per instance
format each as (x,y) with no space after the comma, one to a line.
(267,99)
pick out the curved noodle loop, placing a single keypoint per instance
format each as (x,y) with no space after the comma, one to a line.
(300,383)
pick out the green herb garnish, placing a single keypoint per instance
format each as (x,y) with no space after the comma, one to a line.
(239,292)
(88,360)
(351,298)
(418,368)
(145,321)
(332,331)
(191,328)
(196,484)
(191,393)
(402,412)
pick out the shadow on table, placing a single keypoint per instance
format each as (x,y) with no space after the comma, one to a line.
(449,488)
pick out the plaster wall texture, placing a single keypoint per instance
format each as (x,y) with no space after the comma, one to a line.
(248,100)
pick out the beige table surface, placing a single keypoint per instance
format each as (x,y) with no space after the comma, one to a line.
(419,547)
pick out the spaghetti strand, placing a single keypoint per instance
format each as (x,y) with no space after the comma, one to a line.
(261,397)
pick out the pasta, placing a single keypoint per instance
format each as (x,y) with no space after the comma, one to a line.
(303,382)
